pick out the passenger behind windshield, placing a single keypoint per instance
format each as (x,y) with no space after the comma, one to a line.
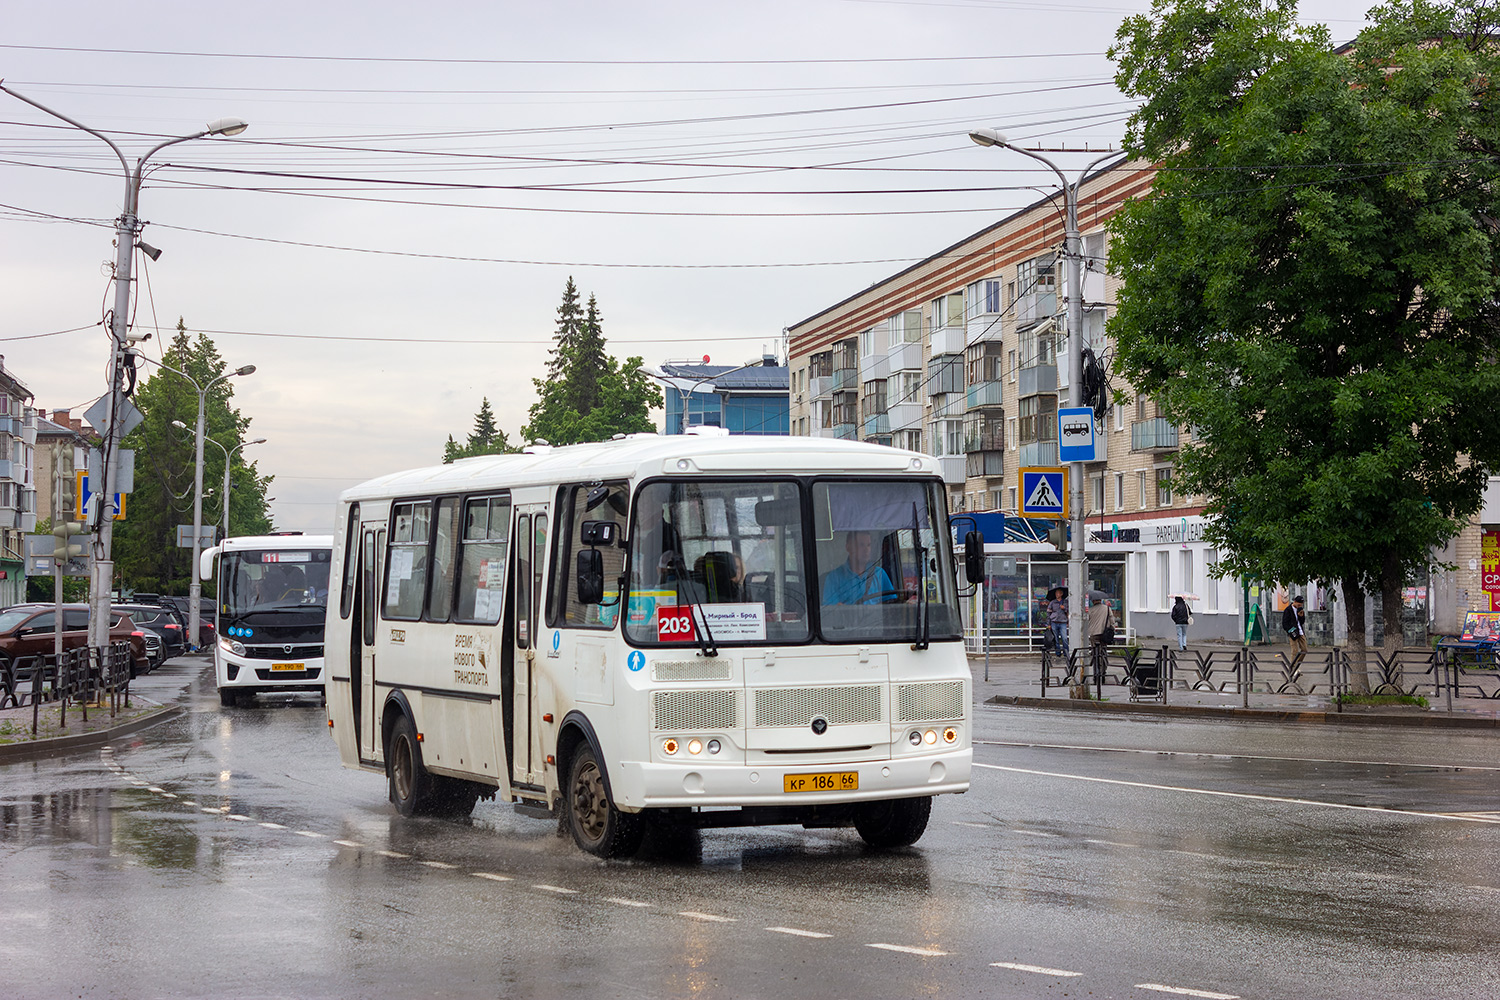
(858,581)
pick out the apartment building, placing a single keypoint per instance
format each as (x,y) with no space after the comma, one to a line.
(61,451)
(17,485)
(963,356)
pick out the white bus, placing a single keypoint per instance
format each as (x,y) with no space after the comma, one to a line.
(271,604)
(709,630)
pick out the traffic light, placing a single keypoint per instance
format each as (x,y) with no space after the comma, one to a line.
(1058,536)
(63,550)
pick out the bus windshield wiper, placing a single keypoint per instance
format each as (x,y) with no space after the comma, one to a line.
(706,637)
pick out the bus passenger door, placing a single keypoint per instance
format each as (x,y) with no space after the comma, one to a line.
(372,541)
(530,545)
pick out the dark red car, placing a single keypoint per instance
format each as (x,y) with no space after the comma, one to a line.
(28,629)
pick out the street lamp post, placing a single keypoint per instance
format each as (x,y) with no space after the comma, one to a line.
(1077,582)
(228,454)
(195,585)
(127,227)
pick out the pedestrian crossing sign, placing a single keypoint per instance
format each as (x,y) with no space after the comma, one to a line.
(1044,492)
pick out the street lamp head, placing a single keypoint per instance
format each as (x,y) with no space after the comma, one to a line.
(256,441)
(226,126)
(245,370)
(988,137)
(179,423)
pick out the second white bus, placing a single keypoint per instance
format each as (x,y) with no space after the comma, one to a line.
(714,631)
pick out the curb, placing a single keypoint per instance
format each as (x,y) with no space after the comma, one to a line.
(1354,718)
(59,745)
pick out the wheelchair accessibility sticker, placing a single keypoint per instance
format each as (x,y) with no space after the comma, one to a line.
(636,660)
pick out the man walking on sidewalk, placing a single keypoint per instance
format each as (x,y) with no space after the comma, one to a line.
(1293,622)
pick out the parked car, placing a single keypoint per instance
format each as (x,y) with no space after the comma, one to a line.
(28,629)
(164,621)
(207,614)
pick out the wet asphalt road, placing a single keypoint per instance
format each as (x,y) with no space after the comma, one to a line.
(226,853)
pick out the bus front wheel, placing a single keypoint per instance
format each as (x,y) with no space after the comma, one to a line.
(411,785)
(893,822)
(597,826)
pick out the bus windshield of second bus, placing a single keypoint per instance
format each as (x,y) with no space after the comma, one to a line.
(257,582)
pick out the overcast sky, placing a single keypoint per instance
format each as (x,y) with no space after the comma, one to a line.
(389,241)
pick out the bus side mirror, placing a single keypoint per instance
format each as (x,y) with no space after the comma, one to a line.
(590,576)
(974,556)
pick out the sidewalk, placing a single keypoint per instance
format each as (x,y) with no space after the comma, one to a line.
(1015,680)
(17,742)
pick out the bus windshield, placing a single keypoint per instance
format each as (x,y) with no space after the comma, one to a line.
(740,551)
(273,580)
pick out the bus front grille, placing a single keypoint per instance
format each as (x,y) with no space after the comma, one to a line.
(696,710)
(841,706)
(936,701)
(691,670)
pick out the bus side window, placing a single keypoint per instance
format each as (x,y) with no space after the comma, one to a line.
(574,508)
(367,565)
(523,581)
(445,548)
(481,560)
(351,561)
(406,560)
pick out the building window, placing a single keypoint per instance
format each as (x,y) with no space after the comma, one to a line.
(1013,368)
(1119,491)
(1098,490)
(1163,580)
(1038,416)
(1140,489)
(1163,487)
(1211,580)
(1011,433)
(1187,584)
(1140,408)
(1139,558)
(1119,415)
(1011,492)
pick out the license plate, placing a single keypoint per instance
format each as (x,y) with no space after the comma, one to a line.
(287,666)
(830,781)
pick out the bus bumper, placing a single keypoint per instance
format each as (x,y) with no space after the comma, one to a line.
(649,785)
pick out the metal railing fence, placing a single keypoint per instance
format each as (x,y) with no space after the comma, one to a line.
(83,677)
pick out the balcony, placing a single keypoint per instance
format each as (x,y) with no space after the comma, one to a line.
(906,416)
(982,394)
(985,463)
(877,424)
(844,379)
(1156,434)
(844,431)
(1037,379)
(820,387)
(984,433)
(1038,453)
(948,340)
(1035,306)
(952,468)
(906,357)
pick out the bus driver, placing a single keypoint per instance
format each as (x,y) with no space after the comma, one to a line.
(857,581)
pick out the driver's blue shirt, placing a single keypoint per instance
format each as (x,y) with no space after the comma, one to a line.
(844,586)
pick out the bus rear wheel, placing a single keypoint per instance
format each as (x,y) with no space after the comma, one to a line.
(597,826)
(893,822)
(411,785)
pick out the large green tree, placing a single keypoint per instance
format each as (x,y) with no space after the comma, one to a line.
(588,395)
(145,545)
(1311,285)
(485,439)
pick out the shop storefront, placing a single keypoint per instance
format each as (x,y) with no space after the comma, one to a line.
(1010,606)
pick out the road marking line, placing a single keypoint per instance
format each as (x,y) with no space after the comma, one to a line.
(618,901)
(798,932)
(1035,833)
(492,876)
(1235,756)
(153,788)
(1240,795)
(238,818)
(309,833)
(392,854)
(438,864)
(977,826)
(1108,843)
(168,795)
(273,826)
(1034,968)
(1181,991)
(909,950)
(710,917)
(555,888)
(190,803)
(212,812)
(348,843)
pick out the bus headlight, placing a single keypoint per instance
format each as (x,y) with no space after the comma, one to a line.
(930,737)
(695,747)
(669,747)
(233,645)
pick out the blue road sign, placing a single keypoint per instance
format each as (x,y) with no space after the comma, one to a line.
(1044,492)
(1075,434)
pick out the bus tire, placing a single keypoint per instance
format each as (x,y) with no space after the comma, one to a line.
(228,697)
(597,826)
(893,822)
(411,786)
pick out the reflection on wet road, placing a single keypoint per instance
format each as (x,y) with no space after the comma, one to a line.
(225,853)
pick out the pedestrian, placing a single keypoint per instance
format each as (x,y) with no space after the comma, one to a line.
(1101,629)
(1294,623)
(1057,618)
(1180,617)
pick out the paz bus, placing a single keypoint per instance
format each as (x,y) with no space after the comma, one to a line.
(271,597)
(703,630)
